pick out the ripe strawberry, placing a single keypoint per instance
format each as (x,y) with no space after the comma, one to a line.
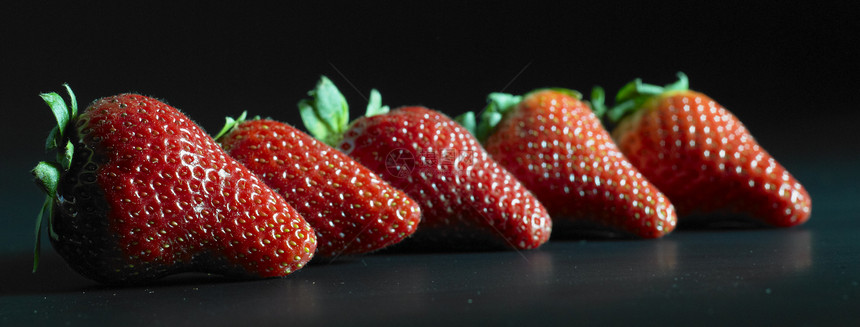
(467,200)
(702,156)
(556,146)
(351,209)
(139,192)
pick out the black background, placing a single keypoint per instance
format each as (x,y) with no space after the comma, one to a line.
(787,70)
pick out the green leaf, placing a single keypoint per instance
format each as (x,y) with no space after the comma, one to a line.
(73,101)
(497,105)
(326,113)
(47,174)
(47,177)
(330,105)
(66,158)
(682,84)
(622,109)
(51,142)
(628,91)
(648,89)
(231,123)
(489,121)
(374,104)
(468,121)
(503,102)
(571,93)
(37,249)
(313,123)
(634,95)
(61,112)
(598,102)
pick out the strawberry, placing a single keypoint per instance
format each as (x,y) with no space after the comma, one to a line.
(703,157)
(556,146)
(351,209)
(139,191)
(467,200)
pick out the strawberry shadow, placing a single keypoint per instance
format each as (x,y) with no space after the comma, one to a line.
(54,276)
(593,235)
(582,230)
(716,222)
(182,280)
(425,245)
(337,260)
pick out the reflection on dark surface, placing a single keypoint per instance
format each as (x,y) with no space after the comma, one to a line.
(712,270)
(53,275)
(798,250)
(787,250)
(719,222)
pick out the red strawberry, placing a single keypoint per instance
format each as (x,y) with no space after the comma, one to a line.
(351,209)
(702,156)
(466,198)
(140,192)
(557,147)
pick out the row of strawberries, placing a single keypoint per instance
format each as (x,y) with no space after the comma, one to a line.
(138,191)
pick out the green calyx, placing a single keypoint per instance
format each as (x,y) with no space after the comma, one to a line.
(326,113)
(468,121)
(374,105)
(632,96)
(498,105)
(231,123)
(47,173)
(598,102)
